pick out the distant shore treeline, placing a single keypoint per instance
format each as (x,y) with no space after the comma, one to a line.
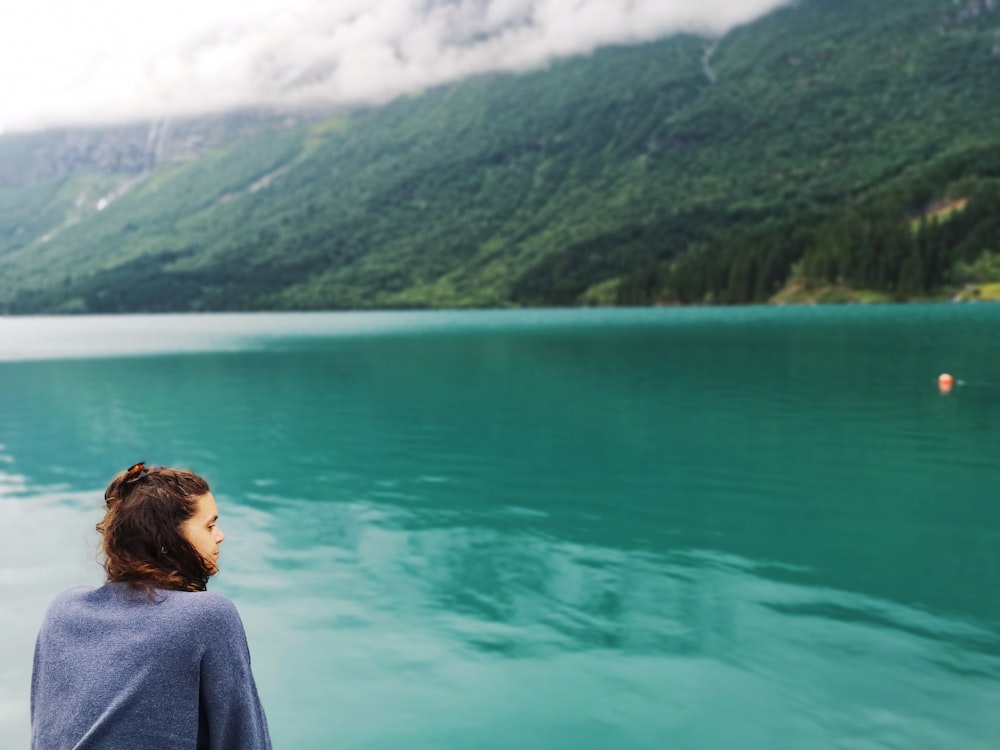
(933,234)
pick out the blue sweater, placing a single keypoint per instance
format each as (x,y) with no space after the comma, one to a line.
(117,672)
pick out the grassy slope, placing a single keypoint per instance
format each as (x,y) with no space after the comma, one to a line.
(522,189)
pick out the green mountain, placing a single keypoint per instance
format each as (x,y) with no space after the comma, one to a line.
(830,147)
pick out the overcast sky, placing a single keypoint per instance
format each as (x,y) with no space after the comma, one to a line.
(77,62)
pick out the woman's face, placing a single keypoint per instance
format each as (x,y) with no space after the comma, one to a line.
(203,532)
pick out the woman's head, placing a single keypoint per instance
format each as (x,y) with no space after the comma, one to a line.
(160,529)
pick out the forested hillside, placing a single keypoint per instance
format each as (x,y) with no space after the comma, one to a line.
(836,149)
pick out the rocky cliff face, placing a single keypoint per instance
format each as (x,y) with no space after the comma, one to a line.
(127,149)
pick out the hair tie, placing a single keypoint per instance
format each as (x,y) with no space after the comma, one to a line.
(136,471)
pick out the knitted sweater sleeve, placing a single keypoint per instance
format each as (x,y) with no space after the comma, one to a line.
(231,715)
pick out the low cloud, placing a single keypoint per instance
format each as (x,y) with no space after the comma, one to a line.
(121,60)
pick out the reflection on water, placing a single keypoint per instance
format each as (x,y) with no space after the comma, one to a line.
(523,636)
(733,529)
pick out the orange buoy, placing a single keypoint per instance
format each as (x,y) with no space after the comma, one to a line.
(945,383)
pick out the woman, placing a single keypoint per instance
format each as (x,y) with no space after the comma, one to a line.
(150,659)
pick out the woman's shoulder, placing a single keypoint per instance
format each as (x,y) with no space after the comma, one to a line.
(73,594)
(77,604)
(209,608)
(72,597)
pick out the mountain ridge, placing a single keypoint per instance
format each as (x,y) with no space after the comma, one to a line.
(607,179)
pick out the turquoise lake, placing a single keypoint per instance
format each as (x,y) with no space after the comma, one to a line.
(712,528)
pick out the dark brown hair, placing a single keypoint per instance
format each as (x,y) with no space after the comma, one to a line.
(141,536)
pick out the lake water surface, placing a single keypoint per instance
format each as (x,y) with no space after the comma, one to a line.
(701,528)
